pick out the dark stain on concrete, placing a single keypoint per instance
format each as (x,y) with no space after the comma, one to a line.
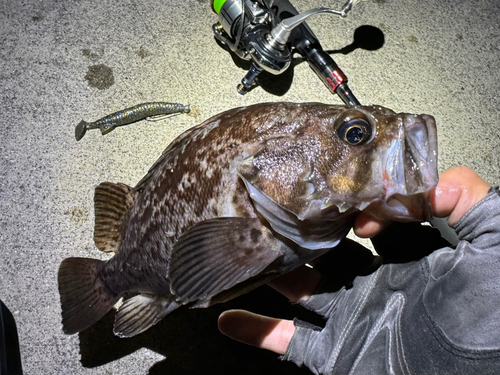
(78,214)
(143,52)
(100,76)
(91,55)
(413,39)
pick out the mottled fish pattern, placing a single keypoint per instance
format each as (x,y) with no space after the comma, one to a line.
(244,197)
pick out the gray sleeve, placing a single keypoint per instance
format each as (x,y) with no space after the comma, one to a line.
(437,315)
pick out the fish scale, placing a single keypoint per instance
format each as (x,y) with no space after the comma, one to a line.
(244,197)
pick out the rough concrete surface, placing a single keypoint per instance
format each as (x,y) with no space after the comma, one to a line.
(64,61)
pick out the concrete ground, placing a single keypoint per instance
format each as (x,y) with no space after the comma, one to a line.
(64,61)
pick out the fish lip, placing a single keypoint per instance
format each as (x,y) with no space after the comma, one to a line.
(411,169)
(421,173)
(411,160)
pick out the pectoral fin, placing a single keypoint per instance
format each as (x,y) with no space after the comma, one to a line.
(312,234)
(215,255)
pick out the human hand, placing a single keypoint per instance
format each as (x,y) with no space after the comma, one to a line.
(458,190)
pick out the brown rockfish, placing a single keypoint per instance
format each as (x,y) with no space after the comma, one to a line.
(242,198)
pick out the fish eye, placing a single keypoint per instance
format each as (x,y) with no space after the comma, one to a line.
(355,131)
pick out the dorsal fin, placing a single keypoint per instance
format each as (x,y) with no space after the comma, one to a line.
(111,203)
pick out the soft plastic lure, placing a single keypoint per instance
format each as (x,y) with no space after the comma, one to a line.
(129,115)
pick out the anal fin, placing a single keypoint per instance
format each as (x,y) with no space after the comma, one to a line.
(111,203)
(139,313)
(217,254)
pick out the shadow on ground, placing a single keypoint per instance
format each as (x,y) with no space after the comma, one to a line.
(191,343)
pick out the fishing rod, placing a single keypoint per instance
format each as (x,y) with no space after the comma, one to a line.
(268,32)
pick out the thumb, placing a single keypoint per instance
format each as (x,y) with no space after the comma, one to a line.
(257,330)
(458,190)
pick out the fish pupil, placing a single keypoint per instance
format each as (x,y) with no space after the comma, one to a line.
(355,131)
(354,135)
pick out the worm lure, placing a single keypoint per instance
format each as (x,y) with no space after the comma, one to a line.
(130,115)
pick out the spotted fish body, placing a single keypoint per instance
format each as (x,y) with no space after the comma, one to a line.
(244,197)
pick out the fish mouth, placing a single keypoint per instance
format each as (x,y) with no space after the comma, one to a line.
(411,169)
(421,173)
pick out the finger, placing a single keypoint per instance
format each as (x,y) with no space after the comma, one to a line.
(257,330)
(297,285)
(367,227)
(458,190)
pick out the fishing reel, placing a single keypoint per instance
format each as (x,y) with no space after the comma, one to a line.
(268,32)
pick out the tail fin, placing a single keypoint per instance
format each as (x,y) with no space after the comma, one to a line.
(84,297)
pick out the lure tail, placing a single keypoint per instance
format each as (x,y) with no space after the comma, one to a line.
(84,297)
(81,129)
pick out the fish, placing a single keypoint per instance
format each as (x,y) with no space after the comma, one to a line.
(242,198)
(129,115)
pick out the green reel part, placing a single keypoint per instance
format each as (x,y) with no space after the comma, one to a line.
(217,5)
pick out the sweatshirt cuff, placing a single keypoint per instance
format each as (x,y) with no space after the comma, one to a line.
(481,217)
